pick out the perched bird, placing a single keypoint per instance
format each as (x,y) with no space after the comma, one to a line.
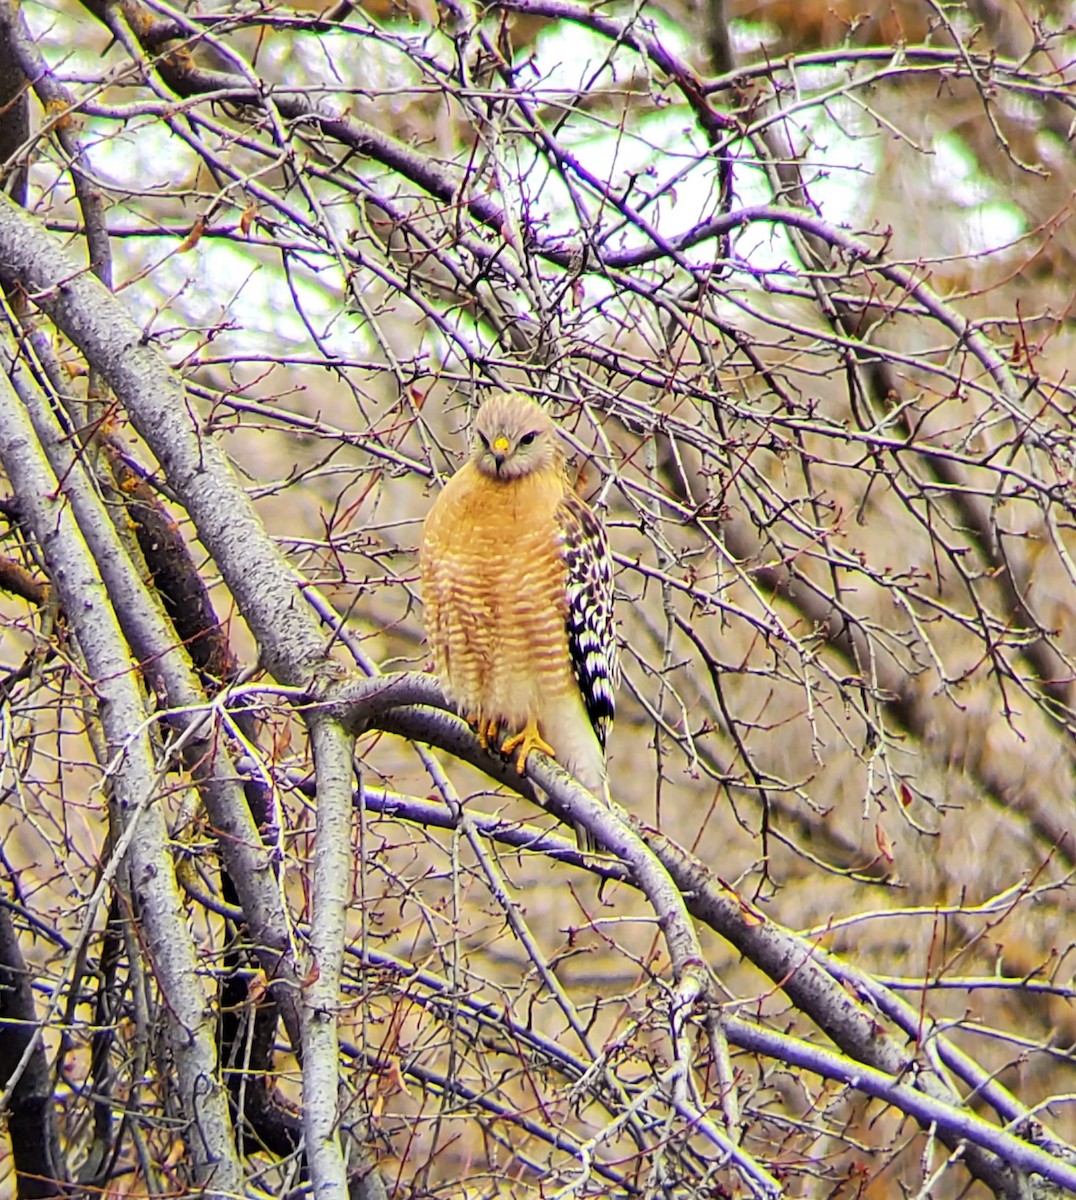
(518,591)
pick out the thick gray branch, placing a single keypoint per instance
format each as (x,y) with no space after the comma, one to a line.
(135,781)
(321,995)
(152,639)
(788,960)
(264,586)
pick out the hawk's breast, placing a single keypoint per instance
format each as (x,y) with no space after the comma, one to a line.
(495,589)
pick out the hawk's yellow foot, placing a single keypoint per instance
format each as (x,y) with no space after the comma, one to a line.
(527,739)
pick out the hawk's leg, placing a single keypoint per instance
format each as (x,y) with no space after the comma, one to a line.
(526,740)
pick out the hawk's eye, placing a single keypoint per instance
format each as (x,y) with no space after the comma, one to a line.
(527,438)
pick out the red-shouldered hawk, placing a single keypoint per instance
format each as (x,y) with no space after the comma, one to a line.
(518,587)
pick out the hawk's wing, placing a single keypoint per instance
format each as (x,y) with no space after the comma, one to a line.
(591,638)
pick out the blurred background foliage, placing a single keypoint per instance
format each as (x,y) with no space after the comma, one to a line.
(798,278)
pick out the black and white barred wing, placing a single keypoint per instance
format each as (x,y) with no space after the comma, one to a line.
(591,637)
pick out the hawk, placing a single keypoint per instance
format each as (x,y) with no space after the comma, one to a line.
(518,590)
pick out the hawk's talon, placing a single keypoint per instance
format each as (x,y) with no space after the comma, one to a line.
(485,730)
(487,733)
(527,739)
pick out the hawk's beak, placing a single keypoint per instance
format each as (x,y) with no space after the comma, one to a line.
(500,451)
